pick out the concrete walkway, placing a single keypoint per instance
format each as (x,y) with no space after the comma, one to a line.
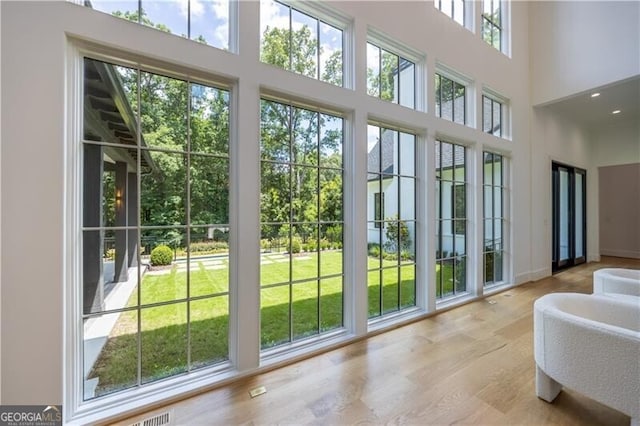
(98,329)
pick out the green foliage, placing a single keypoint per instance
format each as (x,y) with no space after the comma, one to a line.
(381,82)
(373,249)
(209,247)
(141,18)
(161,255)
(398,237)
(334,233)
(296,245)
(110,254)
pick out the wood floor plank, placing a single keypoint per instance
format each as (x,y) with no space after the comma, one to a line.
(470,365)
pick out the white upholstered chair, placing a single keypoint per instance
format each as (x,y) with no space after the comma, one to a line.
(617,281)
(591,344)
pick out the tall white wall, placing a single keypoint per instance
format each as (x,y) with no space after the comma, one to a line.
(36,136)
(33,140)
(579,45)
(554,138)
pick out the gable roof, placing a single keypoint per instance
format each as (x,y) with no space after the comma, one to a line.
(383,148)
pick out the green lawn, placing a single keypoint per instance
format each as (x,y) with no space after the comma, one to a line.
(316,306)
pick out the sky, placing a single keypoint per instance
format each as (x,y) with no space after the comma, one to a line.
(209,18)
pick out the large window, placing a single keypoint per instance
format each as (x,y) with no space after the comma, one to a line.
(301,211)
(205,21)
(452,8)
(493,184)
(451,101)
(391,237)
(492,21)
(206,225)
(451,224)
(390,77)
(299,42)
(155,230)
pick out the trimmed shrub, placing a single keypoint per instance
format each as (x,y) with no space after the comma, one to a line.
(312,244)
(406,255)
(334,234)
(209,247)
(296,245)
(161,255)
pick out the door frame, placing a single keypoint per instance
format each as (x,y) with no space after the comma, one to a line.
(558,264)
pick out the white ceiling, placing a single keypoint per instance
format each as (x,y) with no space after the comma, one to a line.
(587,111)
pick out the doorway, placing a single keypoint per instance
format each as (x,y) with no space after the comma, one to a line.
(569,213)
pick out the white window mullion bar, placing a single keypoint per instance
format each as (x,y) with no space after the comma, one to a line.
(428,219)
(475,222)
(73,345)
(424,244)
(508,266)
(244,202)
(356,300)
(356,305)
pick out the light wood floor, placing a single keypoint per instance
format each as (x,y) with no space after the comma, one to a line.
(470,365)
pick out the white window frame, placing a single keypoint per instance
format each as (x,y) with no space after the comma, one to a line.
(320,11)
(469,93)
(281,351)
(505,123)
(467,16)
(452,300)
(76,408)
(383,41)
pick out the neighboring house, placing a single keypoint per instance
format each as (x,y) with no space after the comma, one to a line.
(383,197)
(451,171)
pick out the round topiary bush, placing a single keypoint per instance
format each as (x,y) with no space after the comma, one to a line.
(161,255)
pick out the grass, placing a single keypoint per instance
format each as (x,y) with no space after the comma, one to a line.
(316,306)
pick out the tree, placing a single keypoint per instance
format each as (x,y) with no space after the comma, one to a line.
(294,140)
(382,82)
(177,116)
(397,235)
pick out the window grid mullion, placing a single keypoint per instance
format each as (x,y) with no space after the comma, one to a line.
(188,222)
(398,218)
(318,207)
(139,222)
(379,73)
(189,19)
(290,39)
(382,218)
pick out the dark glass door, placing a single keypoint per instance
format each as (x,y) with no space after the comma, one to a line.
(569,216)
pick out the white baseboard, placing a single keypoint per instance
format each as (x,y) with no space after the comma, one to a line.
(541,273)
(532,275)
(632,254)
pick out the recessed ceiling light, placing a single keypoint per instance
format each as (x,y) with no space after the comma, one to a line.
(595,95)
(616,112)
